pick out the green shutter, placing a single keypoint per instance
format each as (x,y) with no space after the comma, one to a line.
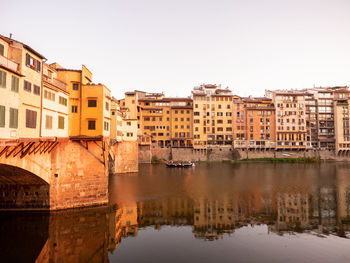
(60,122)
(2,79)
(13,118)
(2,116)
(15,84)
(1,50)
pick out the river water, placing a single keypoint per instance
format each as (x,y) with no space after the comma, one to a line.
(214,212)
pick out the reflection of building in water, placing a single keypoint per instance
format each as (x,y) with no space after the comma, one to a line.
(292,211)
(122,223)
(213,218)
(343,197)
(165,211)
(324,209)
(76,236)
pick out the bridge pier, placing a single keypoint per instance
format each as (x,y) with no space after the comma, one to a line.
(57,175)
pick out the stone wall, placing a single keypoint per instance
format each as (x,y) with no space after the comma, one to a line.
(78,178)
(216,153)
(145,154)
(126,155)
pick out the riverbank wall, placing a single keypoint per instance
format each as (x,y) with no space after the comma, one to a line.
(229,153)
(125,156)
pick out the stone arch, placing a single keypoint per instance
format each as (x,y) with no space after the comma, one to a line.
(21,189)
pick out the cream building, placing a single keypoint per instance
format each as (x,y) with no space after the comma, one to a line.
(54,122)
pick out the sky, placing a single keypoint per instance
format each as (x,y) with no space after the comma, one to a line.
(173,45)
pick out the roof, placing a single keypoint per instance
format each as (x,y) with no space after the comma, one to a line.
(9,40)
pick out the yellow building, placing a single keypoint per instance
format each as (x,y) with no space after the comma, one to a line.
(89,103)
(29,92)
(10,83)
(212,116)
(54,122)
(168,121)
(181,122)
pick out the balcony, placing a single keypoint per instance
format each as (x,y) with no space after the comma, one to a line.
(55,82)
(9,64)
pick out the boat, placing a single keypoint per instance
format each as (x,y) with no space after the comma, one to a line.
(172,164)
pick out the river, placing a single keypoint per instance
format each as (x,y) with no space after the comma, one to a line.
(214,212)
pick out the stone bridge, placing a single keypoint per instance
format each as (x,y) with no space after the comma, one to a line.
(53,174)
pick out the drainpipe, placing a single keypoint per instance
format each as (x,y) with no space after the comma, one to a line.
(81,93)
(41,97)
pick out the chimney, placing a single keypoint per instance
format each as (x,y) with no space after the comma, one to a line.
(10,35)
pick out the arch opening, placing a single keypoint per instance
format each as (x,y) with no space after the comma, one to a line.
(22,190)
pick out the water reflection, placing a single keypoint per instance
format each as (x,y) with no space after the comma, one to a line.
(211,202)
(216,199)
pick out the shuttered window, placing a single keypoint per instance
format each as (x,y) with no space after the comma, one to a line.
(1,50)
(31,119)
(2,79)
(2,116)
(60,122)
(38,66)
(62,101)
(15,84)
(74,109)
(48,122)
(36,90)
(13,118)
(27,86)
(27,60)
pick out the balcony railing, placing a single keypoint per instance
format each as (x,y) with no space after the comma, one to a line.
(55,82)
(9,64)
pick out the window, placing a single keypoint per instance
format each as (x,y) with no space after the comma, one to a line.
(92,103)
(74,109)
(106,125)
(36,90)
(75,86)
(1,50)
(107,106)
(2,79)
(2,116)
(31,119)
(128,123)
(60,122)
(27,86)
(49,95)
(62,101)
(92,125)
(48,122)
(13,118)
(15,84)
(33,63)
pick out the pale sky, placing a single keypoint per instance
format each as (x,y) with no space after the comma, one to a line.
(174,45)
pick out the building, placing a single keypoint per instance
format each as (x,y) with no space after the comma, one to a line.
(21,59)
(167,121)
(54,117)
(342,126)
(89,103)
(290,119)
(212,116)
(11,81)
(260,123)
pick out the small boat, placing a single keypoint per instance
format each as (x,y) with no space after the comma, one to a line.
(172,164)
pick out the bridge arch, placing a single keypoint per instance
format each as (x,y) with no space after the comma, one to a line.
(21,189)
